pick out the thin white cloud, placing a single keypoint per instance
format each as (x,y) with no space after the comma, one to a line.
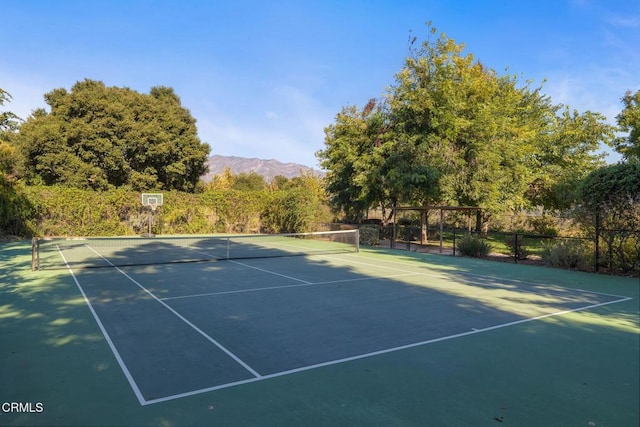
(596,89)
(624,21)
(309,115)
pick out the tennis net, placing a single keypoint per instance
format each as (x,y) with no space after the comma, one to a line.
(95,252)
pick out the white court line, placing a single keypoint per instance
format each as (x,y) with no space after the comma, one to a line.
(376,353)
(268,288)
(127,374)
(405,272)
(200,331)
(259,377)
(255,268)
(270,272)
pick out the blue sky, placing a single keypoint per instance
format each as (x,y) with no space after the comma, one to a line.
(264,78)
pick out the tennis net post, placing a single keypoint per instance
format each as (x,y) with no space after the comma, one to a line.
(35,253)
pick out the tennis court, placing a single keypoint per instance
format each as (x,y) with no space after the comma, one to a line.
(183,328)
(179,329)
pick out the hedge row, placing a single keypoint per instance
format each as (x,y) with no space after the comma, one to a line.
(62,211)
(17,214)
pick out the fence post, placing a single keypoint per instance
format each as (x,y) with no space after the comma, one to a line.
(393,230)
(515,248)
(441,228)
(454,241)
(407,236)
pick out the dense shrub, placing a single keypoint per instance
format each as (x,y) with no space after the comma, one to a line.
(16,211)
(544,225)
(234,211)
(610,204)
(473,246)
(620,250)
(369,235)
(73,212)
(60,211)
(574,254)
(290,212)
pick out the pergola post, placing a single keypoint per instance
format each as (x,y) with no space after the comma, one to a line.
(424,214)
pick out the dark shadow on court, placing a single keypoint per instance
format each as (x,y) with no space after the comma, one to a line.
(530,374)
(185,327)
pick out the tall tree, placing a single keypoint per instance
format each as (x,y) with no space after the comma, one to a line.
(99,137)
(351,155)
(456,132)
(9,124)
(249,181)
(629,121)
(8,120)
(487,138)
(222,181)
(565,154)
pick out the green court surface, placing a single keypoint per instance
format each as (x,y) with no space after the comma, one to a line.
(374,338)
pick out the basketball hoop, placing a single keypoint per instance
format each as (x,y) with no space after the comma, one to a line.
(153,200)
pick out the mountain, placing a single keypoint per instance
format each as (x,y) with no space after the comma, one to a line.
(267,168)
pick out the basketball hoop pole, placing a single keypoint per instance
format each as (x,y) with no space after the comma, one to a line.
(153,207)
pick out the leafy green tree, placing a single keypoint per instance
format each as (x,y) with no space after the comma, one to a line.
(8,120)
(485,139)
(279,182)
(450,129)
(223,181)
(629,121)
(565,155)
(9,124)
(610,197)
(99,137)
(311,182)
(249,181)
(453,131)
(351,157)
(617,184)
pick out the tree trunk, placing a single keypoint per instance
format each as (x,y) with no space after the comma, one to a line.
(424,226)
(482,223)
(478,222)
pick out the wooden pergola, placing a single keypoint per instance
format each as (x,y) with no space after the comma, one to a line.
(424,210)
